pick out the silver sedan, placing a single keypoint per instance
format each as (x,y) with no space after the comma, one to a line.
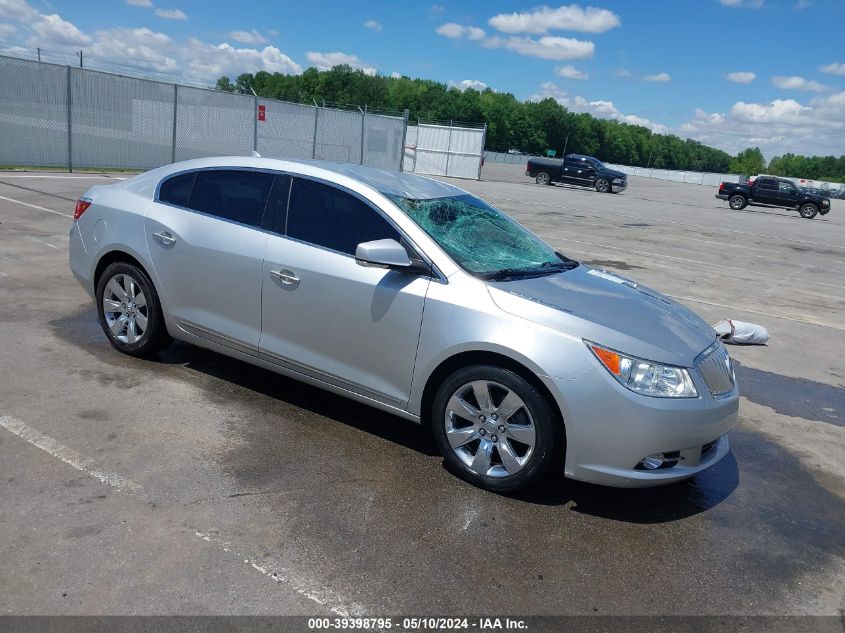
(418,298)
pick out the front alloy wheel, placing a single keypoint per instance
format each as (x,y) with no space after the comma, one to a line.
(602,185)
(494,428)
(808,211)
(492,439)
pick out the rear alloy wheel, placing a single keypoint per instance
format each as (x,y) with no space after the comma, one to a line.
(543,179)
(808,211)
(602,185)
(129,310)
(493,428)
(737,202)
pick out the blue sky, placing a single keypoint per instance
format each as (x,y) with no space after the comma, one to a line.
(731,73)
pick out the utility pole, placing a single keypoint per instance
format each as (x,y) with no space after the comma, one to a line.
(80,59)
(39,53)
(564,146)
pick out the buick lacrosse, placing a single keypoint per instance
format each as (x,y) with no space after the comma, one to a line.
(418,298)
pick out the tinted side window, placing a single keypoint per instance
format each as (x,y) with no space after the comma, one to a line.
(177,190)
(767,183)
(328,217)
(786,187)
(232,194)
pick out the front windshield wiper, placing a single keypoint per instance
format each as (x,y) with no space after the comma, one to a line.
(546,268)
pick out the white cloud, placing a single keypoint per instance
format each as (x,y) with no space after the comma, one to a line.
(798,83)
(53,30)
(456,31)
(622,72)
(171,14)
(833,69)
(248,37)
(601,109)
(741,77)
(17,10)
(209,60)
(570,72)
(743,4)
(141,49)
(564,18)
(8,30)
(326,61)
(546,47)
(659,78)
(140,3)
(782,125)
(395,75)
(474,84)
(374,25)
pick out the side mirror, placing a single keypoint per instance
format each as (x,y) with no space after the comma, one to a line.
(383,254)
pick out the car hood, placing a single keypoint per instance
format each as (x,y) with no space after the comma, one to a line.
(608,309)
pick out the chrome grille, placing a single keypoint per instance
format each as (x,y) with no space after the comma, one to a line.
(715,368)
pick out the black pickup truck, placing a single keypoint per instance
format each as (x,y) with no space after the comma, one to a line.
(766,191)
(577,170)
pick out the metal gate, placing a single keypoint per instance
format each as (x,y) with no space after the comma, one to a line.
(445,149)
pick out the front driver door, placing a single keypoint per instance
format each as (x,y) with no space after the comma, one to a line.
(328,317)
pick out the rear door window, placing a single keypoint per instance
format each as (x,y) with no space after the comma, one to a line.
(177,190)
(326,216)
(767,183)
(236,195)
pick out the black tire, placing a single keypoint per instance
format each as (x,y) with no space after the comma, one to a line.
(547,430)
(603,185)
(154,336)
(737,202)
(808,210)
(543,178)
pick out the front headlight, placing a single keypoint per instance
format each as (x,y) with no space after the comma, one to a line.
(644,376)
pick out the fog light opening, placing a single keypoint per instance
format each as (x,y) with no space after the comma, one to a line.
(653,462)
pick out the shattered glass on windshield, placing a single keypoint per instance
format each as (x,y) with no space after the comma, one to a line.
(477,236)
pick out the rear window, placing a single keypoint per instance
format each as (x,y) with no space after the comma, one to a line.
(177,190)
(234,195)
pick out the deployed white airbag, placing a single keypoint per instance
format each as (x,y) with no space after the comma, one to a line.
(741,333)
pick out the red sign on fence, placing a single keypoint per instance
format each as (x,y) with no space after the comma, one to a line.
(262,113)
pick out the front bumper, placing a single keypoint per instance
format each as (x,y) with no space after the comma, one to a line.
(609,430)
(619,185)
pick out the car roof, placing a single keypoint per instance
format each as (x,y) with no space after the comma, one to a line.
(382,180)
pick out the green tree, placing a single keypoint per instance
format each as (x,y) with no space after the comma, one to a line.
(748,162)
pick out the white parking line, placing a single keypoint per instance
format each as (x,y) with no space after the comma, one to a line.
(35,206)
(35,239)
(320,595)
(67,455)
(312,590)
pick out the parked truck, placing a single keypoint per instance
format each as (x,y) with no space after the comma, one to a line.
(576,169)
(768,191)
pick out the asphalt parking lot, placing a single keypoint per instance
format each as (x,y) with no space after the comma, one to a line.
(193,483)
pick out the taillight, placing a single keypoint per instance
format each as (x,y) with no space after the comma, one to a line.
(721,186)
(81,206)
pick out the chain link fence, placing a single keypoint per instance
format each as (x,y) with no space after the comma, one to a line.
(68,117)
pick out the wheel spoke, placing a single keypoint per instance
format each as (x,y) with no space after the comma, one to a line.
(140,323)
(118,324)
(481,461)
(129,286)
(462,408)
(482,394)
(110,305)
(510,460)
(115,288)
(460,437)
(509,405)
(131,337)
(140,300)
(522,433)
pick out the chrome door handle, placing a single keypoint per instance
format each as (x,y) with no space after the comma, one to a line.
(164,238)
(285,276)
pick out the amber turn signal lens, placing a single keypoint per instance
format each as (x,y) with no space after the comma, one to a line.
(610,359)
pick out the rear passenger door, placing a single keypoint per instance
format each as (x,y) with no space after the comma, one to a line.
(206,244)
(326,316)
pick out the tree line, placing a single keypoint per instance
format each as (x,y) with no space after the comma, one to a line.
(530,127)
